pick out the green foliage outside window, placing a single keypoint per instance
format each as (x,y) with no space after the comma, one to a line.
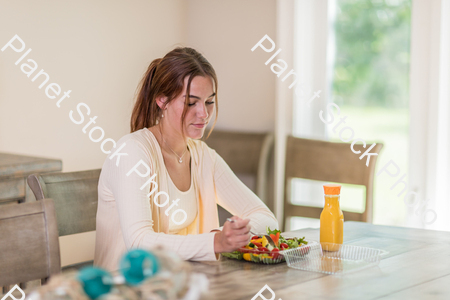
(372,53)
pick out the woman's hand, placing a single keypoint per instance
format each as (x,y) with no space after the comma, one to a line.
(233,235)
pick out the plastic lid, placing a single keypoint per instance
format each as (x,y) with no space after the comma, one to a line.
(332,189)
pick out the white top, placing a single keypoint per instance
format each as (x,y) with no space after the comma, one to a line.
(127,218)
(187,202)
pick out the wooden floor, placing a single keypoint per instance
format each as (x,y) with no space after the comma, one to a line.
(416,267)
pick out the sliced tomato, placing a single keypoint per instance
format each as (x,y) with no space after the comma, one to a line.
(255,237)
(257,244)
(263,249)
(275,253)
(245,249)
(284,246)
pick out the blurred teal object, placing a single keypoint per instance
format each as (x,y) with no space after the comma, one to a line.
(137,265)
(95,281)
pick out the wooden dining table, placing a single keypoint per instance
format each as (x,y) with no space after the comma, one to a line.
(417,266)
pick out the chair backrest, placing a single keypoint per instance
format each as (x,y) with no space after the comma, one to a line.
(246,154)
(332,162)
(29,247)
(75,195)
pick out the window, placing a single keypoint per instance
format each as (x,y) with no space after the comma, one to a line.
(367,75)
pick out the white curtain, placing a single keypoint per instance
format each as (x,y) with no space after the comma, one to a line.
(302,33)
(430,115)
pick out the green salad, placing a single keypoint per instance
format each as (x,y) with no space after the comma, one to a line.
(266,248)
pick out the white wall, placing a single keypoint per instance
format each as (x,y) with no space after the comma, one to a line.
(100,50)
(97,49)
(225,31)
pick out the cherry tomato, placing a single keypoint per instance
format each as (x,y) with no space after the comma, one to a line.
(255,237)
(284,246)
(263,249)
(275,253)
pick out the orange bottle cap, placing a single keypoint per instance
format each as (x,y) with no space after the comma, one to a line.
(332,189)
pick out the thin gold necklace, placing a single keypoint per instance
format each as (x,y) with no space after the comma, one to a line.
(180,158)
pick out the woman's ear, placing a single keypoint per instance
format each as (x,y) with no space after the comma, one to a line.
(161,102)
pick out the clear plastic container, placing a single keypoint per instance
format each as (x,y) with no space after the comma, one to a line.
(346,259)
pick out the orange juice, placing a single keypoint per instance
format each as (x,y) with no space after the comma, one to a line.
(331,219)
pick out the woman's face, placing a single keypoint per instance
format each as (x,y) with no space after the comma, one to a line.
(200,109)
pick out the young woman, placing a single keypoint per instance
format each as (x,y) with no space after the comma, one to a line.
(176,101)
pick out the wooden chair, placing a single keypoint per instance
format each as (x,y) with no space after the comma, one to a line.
(76,198)
(331,162)
(29,247)
(246,154)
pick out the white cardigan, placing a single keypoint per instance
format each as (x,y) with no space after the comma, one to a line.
(127,218)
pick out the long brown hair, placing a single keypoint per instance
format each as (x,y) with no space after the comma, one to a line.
(165,77)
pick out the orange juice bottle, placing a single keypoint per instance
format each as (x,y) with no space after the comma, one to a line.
(331,219)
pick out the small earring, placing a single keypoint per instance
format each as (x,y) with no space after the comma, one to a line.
(162,116)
